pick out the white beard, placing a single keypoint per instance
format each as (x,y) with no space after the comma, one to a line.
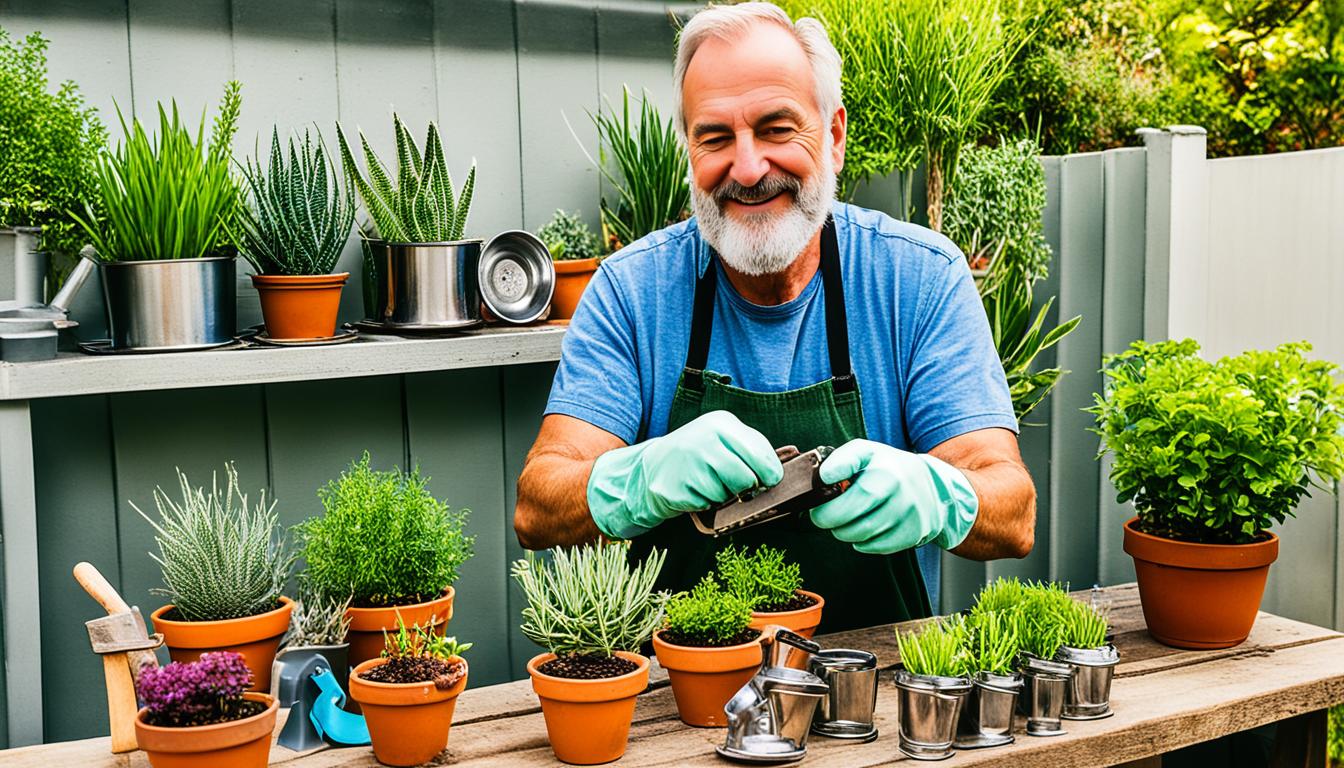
(767,243)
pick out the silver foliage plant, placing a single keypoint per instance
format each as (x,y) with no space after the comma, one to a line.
(317,619)
(590,600)
(220,557)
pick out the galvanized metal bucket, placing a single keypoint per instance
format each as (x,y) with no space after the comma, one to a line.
(1042,701)
(929,707)
(170,304)
(425,286)
(847,710)
(1088,696)
(23,268)
(987,715)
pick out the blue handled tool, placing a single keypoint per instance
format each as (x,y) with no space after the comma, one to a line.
(333,723)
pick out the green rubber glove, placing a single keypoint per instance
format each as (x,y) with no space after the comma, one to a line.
(897,500)
(704,462)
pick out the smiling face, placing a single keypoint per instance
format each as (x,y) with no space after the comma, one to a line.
(763,158)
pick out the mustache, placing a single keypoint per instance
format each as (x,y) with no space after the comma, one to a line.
(769,186)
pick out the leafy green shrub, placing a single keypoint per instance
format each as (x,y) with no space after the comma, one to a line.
(568,238)
(939,648)
(171,197)
(383,539)
(995,205)
(589,600)
(762,577)
(708,615)
(1217,452)
(48,147)
(420,207)
(299,212)
(220,558)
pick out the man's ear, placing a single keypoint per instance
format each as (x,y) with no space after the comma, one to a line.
(838,138)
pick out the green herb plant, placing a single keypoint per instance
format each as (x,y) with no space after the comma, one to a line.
(220,558)
(384,539)
(590,600)
(420,206)
(762,576)
(1083,626)
(1000,595)
(937,649)
(298,213)
(418,640)
(568,238)
(994,207)
(708,615)
(1218,452)
(317,619)
(170,197)
(992,641)
(1041,617)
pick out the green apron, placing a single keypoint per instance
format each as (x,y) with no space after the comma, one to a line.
(861,590)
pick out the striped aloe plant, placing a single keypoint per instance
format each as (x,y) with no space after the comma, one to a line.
(420,206)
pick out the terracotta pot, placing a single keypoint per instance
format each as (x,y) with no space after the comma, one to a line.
(255,637)
(408,722)
(804,621)
(300,306)
(571,277)
(367,624)
(704,679)
(242,743)
(1199,595)
(588,721)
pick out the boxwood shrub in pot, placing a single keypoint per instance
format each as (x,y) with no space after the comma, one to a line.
(574,248)
(773,586)
(388,544)
(224,565)
(591,610)
(1212,454)
(709,650)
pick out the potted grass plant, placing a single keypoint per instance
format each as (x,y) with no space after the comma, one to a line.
(574,249)
(773,586)
(591,610)
(986,718)
(224,564)
(414,235)
(201,714)
(159,222)
(1084,647)
(387,543)
(709,650)
(1212,455)
(409,693)
(1040,631)
(932,681)
(292,229)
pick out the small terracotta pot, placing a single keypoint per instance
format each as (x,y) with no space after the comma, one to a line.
(255,637)
(571,277)
(588,721)
(367,624)
(804,621)
(1199,595)
(300,306)
(242,743)
(704,679)
(408,722)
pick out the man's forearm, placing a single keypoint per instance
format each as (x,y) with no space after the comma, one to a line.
(552,505)
(1005,526)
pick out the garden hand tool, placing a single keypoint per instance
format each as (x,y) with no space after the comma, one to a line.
(769,718)
(898,500)
(704,462)
(120,638)
(333,723)
(800,489)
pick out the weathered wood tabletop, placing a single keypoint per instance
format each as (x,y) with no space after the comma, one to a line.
(1164,699)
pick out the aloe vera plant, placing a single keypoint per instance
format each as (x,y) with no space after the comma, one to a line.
(420,206)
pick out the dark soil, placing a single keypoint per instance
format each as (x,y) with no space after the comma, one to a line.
(229,712)
(417,669)
(700,641)
(176,615)
(798,602)
(588,666)
(1231,537)
(386,601)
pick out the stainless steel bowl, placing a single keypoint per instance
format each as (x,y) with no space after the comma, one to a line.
(426,286)
(517,276)
(170,304)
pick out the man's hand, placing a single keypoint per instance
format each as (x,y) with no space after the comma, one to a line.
(705,462)
(896,500)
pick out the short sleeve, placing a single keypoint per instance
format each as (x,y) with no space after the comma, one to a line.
(597,380)
(955,382)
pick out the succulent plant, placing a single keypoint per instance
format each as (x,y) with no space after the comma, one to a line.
(568,237)
(201,692)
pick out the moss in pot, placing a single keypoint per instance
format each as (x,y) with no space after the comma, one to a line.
(773,586)
(709,649)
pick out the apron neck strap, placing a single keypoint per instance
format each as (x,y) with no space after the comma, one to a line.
(837,328)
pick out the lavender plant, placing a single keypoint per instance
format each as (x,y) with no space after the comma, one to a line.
(201,692)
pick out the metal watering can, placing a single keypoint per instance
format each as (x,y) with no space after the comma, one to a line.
(769,719)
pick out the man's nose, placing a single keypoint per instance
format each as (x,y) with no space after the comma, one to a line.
(749,163)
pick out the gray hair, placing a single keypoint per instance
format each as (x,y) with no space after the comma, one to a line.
(726,22)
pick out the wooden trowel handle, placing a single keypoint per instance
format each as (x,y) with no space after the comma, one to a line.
(99,588)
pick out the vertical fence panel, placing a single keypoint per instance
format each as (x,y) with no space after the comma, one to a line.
(179,52)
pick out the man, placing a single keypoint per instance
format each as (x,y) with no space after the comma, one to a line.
(774,317)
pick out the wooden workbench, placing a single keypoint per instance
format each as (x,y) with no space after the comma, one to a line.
(1163,699)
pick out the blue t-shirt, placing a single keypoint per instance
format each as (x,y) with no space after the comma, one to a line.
(919,341)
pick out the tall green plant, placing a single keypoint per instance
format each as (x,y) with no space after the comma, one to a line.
(299,213)
(220,558)
(994,207)
(992,641)
(170,197)
(939,649)
(1083,626)
(420,206)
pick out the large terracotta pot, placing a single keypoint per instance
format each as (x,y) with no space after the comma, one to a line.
(256,638)
(300,306)
(571,277)
(588,721)
(408,722)
(242,743)
(1199,595)
(704,679)
(367,624)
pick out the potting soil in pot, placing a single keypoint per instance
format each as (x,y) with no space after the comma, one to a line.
(696,641)
(589,666)
(417,669)
(231,711)
(798,602)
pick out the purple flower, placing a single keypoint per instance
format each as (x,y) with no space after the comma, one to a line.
(183,694)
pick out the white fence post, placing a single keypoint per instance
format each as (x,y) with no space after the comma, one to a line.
(1176,298)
